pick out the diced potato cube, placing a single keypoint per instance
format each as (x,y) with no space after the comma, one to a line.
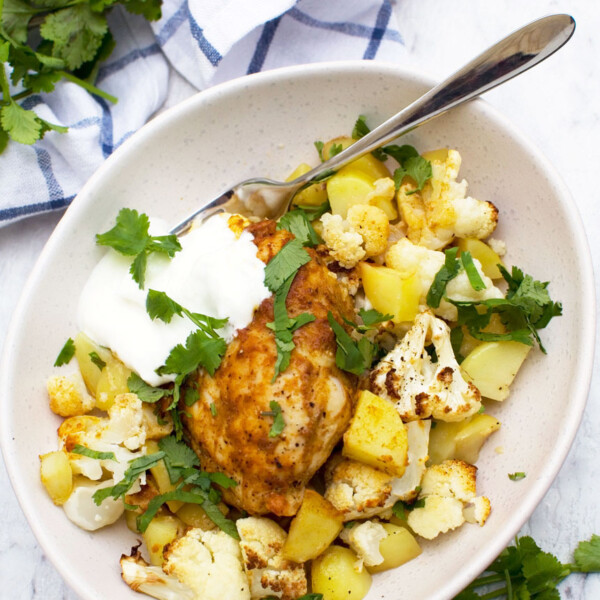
(492,367)
(347,188)
(313,195)
(376,435)
(333,574)
(367,164)
(194,515)
(484,254)
(397,548)
(112,382)
(462,440)
(390,292)
(90,371)
(343,141)
(161,531)
(440,155)
(314,527)
(56,475)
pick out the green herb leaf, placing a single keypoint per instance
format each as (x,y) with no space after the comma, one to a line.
(66,354)
(136,468)
(517,476)
(334,150)
(360,130)
(587,555)
(418,169)
(97,360)
(278,422)
(449,271)
(213,409)
(471,270)
(297,222)
(285,263)
(314,212)
(22,125)
(146,393)
(311,597)
(401,153)
(353,357)
(178,457)
(373,317)
(160,306)
(79,449)
(319,146)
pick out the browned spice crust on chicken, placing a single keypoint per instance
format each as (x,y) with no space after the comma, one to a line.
(314,395)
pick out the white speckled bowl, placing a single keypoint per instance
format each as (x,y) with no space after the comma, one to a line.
(265,125)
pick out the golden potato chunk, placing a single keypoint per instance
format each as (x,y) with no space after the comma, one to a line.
(488,259)
(377,436)
(314,527)
(161,531)
(333,574)
(56,475)
(397,548)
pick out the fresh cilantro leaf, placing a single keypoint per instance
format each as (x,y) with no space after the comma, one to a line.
(3,140)
(66,354)
(97,360)
(471,270)
(78,449)
(213,409)
(160,306)
(199,350)
(335,149)
(350,356)
(76,32)
(373,317)
(150,9)
(517,476)
(311,597)
(314,212)
(16,15)
(136,468)
(22,125)
(350,524)
(130,237)
(297,222)
(449,271)
(42,82)
(278,422)
(146,393)
(587,555)
(178,457)
(418,169)
(319,146)
(360,130)
(401,153)
(285,263)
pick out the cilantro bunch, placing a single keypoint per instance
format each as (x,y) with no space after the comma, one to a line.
(525,572)
(45,41)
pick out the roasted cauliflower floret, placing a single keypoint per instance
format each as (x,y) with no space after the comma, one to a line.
(68,395)
(449,493)
(442,211)
(419,387)
(360,491)
(268,572)
(408,258)
(364,539)
(210,563)
(362,234)
(153,581)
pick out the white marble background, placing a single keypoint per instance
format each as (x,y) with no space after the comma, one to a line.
(557,105)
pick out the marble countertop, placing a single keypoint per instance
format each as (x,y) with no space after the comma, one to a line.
(557,105)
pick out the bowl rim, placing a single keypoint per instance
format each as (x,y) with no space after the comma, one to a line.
(584,369)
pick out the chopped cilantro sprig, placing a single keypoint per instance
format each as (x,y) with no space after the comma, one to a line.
(130,237)
(278,422)
(352,356)
(525,571)
(66,353)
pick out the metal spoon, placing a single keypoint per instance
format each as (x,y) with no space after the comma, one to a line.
(509,57)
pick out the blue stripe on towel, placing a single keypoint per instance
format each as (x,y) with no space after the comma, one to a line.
(7,214)
(213,55)
(173,24)
(106,129)
(381,23)
(353,29)
(111,68)
(264,43)
(55,191)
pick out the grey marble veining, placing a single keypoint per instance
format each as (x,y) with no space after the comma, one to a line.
(557,105)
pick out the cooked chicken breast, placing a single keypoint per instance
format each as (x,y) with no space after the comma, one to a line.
(314,395)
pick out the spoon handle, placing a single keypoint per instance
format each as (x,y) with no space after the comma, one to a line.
(506,59)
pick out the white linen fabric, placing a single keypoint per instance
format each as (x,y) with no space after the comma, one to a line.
(205,42)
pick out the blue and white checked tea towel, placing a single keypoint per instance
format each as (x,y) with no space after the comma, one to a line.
(205,42)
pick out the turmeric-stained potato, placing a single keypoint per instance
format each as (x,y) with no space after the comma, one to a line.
(162,530)
(390,292)
(85,349)
(376,435)
(397,548)
(56,475)
(333,574)
(194,515)
(313,195)
(492,366)
(315,526)
(161,477)
(488,259)
(112,382)
(347,188)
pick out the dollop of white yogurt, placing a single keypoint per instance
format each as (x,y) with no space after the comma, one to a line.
(215,273)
